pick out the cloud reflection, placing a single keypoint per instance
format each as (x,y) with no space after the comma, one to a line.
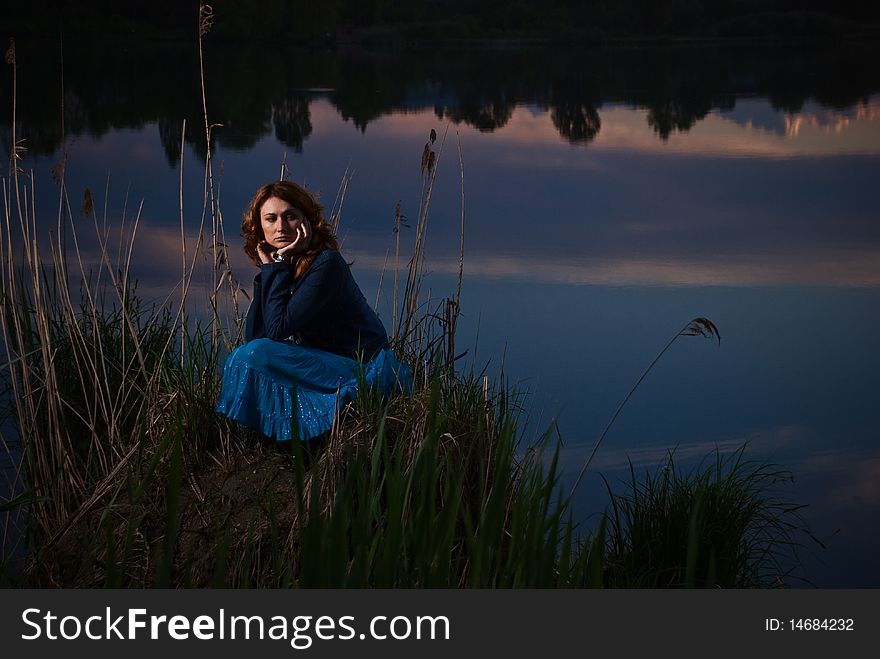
(808,134)
(856,477)
(822,268)
(813,132)
(158,253)
(609,458)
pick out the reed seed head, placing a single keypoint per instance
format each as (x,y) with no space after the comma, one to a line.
(206,19)
(88,203)
(702,327)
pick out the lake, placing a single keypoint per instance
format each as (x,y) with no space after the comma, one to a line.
(611,195)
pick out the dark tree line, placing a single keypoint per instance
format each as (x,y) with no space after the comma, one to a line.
(430,20)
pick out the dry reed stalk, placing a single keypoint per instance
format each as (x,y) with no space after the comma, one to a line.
(206,21)
(12,60)
(696,327)
(336,210)
(381,279)
(18,352)
(399,222)
(461,235)
(10,288)
(182,233)
(45,446)
(416,274)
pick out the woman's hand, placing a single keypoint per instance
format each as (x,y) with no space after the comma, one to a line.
(265,252)
(300,243)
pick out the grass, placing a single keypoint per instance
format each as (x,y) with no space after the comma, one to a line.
(722,524)
(130,479)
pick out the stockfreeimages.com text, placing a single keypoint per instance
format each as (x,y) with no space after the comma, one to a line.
(300,631)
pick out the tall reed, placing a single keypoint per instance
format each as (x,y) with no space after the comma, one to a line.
(97,379)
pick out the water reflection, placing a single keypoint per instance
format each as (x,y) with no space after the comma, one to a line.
(252,94)
(730,203)
(292,122)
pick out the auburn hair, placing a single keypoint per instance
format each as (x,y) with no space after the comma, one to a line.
(303,200)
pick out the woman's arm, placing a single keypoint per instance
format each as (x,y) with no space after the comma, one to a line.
(253,323)
(289,306)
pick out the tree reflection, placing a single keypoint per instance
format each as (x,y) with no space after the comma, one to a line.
(575,121)
(251,93)
(292,121)
(486,115)
(674,115)
(171,134)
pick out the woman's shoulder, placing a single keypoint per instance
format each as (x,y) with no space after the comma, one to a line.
(330,257)
(329,265)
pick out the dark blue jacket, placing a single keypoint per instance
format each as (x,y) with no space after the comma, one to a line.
(325,309)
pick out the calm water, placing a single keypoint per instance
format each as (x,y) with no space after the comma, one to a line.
(611,196)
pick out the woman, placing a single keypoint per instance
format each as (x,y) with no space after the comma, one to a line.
(309,333)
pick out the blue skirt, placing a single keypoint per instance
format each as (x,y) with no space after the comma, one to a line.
(285,390)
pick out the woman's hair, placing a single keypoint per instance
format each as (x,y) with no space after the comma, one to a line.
(301,199)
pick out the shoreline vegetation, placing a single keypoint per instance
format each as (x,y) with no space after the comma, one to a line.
(128,478)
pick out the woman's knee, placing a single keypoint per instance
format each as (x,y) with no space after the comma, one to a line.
(257,353)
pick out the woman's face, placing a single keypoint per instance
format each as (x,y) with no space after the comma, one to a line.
(280,221)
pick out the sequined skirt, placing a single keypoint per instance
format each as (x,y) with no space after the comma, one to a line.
(285,390)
